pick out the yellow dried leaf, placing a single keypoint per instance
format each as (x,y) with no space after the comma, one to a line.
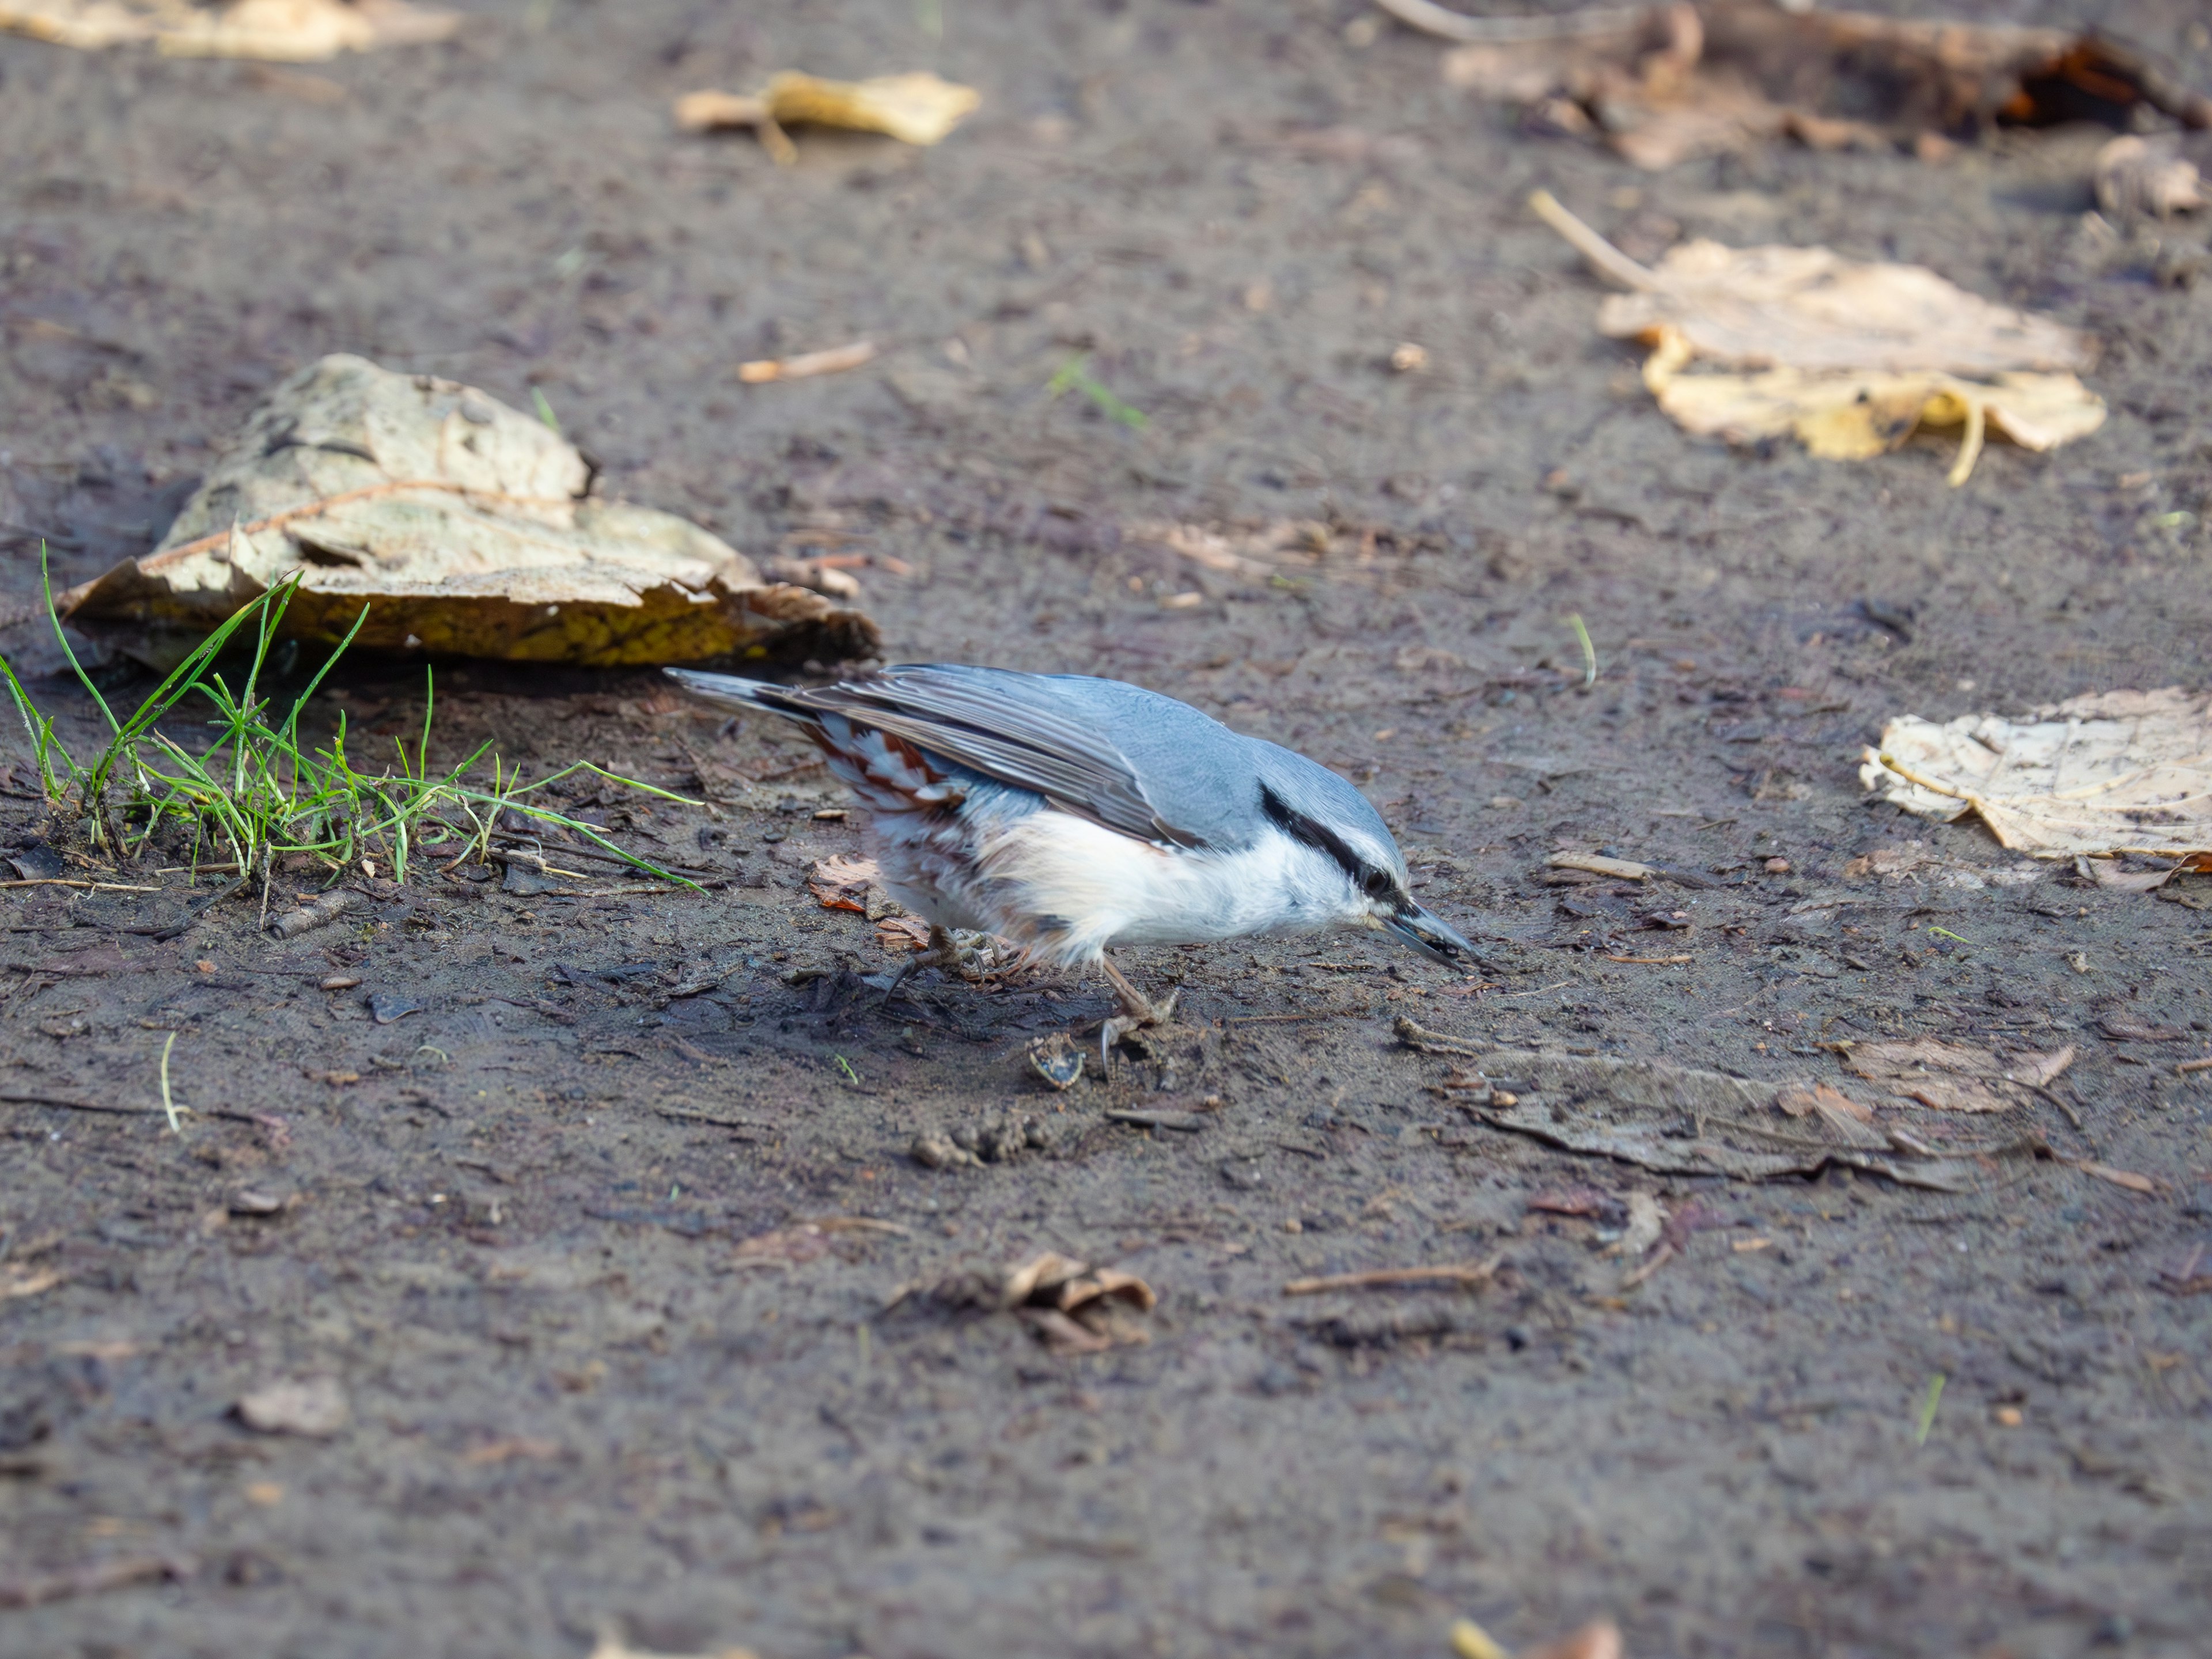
(2113,772)
(88,25)
(281,31)
(466,528)
(918,108)
(1849,416)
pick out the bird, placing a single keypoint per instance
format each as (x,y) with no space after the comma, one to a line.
(1070,815)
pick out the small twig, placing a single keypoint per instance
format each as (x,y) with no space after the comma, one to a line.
(1651,961)
(2189,1066)
(1591,246)
(92,1579)
(1464,1272)
(168,1104)
(1435,1042)
(1430,18)
(58,1102)
(1182,1123)
(807,364)
(64,881)
(684,1116)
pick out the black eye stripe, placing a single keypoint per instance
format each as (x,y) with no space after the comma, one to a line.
(1299,827)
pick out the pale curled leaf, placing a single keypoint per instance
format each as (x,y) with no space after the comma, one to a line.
(2134,176)
(2110,773)
(1849,358)
(1808,307)
(464,526)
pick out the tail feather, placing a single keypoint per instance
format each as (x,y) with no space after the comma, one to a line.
(889,773)
(728,692)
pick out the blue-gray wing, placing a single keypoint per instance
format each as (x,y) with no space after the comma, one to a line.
(1061,736)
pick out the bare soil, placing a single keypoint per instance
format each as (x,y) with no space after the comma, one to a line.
(499,1190)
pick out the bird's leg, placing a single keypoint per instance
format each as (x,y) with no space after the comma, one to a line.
(1137,1010)
(942,951)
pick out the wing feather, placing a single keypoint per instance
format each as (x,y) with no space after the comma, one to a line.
(995,725)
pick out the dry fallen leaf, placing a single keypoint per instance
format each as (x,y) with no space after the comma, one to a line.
(842,884)
(2134,178)
(1955,1077)
(1599,1639)
(1633,1110)
(315,1408)
(467,529)
(1072,1306)
(280,31)
(1851,358)
(915,109)
(902,933)
(2112,772)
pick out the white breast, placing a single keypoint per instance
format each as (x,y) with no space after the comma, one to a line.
(1068,889)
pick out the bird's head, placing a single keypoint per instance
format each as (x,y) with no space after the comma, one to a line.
(1349,856)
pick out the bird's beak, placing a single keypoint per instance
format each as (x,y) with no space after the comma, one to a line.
(1426,933)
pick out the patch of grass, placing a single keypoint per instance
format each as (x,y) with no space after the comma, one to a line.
(1074,375)
(257,791)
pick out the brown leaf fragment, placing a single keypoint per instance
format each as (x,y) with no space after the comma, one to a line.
(841,883)
(1591,1201)
(462,527)
(902,933)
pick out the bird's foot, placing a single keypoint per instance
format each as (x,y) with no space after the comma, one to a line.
(970,962)
(1137,1011)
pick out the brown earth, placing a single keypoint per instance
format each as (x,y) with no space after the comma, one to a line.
(576,1402)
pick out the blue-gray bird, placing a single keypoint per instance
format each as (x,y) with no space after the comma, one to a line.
(1069,814)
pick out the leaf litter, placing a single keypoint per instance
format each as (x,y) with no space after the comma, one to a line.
(464,526)
(1666,83)
(1676,1120)
(277,31)
(1850,358)
(2109,773)
(1072,1306)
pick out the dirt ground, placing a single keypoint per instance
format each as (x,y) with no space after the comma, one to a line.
(500,1189)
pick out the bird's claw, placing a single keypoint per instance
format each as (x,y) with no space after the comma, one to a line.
(1137,1011)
